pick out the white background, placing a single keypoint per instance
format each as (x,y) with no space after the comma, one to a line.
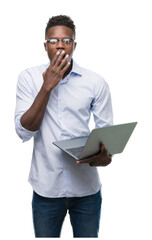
(115,40)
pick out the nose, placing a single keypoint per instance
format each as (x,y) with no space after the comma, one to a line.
(60,45)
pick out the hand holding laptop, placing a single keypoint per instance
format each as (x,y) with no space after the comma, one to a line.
(102,159)
(91,149)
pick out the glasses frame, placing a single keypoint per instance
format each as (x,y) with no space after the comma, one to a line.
(60,39)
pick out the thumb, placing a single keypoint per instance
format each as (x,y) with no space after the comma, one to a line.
(102,147)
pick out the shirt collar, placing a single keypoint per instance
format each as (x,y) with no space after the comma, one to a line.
(76,68)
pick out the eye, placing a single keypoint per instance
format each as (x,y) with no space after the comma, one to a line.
(66,40)
(53,40)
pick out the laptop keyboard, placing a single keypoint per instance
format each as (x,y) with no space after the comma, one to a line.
(76,151)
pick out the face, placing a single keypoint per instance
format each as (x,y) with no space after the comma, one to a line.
(59,32)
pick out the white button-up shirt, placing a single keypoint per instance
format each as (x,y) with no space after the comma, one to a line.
(54,173)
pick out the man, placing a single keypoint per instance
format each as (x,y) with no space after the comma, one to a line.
(54,102)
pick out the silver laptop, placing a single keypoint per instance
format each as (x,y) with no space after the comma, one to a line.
(114,137)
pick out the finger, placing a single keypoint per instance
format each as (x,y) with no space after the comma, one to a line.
(55,58)
(101,163)
(59,58)
(65,67)
(93,164)
(102,147)
(105,152)
(86,160)
(63,63)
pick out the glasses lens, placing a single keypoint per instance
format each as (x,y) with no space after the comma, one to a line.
(53,40)
(67,40)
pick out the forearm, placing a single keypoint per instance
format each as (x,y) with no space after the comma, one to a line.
(32,118)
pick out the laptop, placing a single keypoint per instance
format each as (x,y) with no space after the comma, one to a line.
(114,137)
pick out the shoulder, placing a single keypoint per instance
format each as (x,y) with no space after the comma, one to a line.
(32,75)
(33,70)
(93,77)
(95,82)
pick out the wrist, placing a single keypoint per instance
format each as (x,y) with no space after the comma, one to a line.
(46,88)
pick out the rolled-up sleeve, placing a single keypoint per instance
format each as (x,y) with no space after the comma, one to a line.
(102,104)
(24,99)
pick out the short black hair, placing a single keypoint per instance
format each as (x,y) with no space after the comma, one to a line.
(60,20)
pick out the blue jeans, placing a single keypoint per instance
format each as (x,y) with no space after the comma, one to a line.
(49,214)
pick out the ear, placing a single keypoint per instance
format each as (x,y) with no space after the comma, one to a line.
(45,46)
(75,44)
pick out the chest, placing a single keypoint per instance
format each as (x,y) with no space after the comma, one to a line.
(74,95)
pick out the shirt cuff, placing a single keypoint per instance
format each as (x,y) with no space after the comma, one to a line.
(23,133)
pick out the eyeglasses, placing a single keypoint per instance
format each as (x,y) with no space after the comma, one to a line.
(65,41)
